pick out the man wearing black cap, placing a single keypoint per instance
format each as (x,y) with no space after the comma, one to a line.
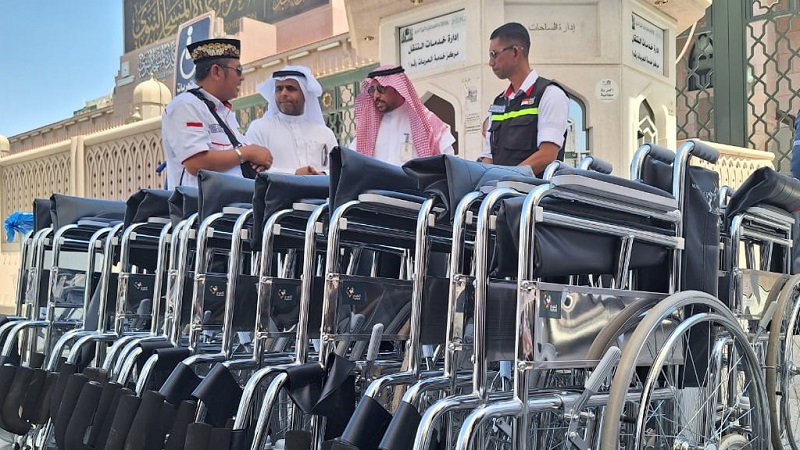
(199,130)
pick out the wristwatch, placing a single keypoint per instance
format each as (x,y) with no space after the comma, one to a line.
(239,152)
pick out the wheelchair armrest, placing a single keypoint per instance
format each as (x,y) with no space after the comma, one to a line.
(521,183)
(204,358)
(771,214)
(308,204)
(392,198)
(236,209)
(99,222)
(615,188)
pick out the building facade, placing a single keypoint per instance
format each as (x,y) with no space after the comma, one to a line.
(617,59)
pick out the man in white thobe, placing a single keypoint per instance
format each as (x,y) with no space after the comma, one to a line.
(392,124)
(293,128)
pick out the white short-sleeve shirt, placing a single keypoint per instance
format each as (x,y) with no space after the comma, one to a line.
(189,128)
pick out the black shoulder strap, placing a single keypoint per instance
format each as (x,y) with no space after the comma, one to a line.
(538,89)
(196,92)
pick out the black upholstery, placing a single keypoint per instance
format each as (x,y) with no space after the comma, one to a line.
(66,210)
(217,190)
(353,173)
(450,178)
(145,204)
(276,191)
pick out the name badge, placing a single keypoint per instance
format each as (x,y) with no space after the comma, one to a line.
(497,109)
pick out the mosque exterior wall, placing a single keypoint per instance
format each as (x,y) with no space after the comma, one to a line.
(587,46)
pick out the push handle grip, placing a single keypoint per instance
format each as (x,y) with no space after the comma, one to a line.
(662,154)
(596,164)
(703,151)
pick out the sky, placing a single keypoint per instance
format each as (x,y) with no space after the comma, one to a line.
(56,55)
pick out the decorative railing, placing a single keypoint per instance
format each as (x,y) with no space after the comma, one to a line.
(110,164)
(735,164)
(35,174)
(119,163)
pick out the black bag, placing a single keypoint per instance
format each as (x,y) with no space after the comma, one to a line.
(764,186)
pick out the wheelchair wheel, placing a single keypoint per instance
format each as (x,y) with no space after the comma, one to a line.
(616,333)
(782,362)
(687,379)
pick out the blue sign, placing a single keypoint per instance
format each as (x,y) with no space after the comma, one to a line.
(196,30)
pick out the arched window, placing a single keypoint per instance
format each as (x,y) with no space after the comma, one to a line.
(701,61)
(445,111)
(577,144)
(647,133)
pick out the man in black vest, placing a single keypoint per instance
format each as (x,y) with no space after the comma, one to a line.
(529,119)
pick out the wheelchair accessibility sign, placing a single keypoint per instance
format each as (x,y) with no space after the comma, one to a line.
(550,304)
(197,29)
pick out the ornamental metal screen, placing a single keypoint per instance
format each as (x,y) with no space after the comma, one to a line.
(338,101)
(738,81)
(338,108)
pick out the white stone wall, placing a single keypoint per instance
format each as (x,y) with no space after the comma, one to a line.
(9,269)
(582,44)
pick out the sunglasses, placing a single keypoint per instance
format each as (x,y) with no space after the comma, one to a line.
(238,70)
(371,89)
(493,54)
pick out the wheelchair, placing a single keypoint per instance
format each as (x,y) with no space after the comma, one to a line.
(445,304)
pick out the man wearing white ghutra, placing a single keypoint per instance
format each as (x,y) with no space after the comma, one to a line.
(293,128)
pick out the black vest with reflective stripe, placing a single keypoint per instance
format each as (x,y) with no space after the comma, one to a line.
(514,131)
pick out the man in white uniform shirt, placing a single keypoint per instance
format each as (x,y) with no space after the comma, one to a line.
(293,128)
(392,124)
(193,138)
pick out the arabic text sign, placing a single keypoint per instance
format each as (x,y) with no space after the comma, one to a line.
(148,21)
(647,45)
(434,43)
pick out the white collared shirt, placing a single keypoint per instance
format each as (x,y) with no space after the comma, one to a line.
(189,128)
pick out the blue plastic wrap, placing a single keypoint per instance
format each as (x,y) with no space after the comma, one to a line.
(18,222)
